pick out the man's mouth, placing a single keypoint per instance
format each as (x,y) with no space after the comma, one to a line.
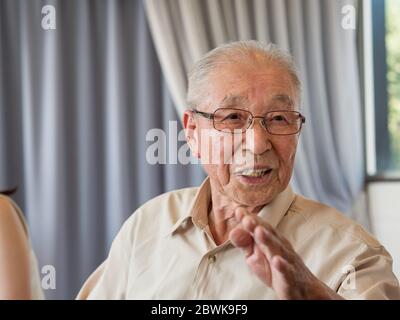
(254,176)
(253,173)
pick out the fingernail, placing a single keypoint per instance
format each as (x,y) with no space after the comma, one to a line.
(249,222)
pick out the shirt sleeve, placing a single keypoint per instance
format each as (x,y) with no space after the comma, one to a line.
(110,279)
(370,276)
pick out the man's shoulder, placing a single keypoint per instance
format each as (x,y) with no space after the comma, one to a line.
(320,218)
(163,211)
(179,197)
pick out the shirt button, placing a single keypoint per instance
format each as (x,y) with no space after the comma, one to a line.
(211,259)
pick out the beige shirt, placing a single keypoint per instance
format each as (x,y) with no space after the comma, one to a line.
(165,251)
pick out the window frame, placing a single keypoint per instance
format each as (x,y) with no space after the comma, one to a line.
(377,139)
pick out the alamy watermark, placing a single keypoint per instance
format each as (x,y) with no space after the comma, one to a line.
(349,282)
(48,281)
(349,17)
(216,147)
(49,21)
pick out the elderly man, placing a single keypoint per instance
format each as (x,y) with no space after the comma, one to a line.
(243,234)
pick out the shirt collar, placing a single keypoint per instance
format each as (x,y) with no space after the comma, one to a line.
(273,212)
(198,210)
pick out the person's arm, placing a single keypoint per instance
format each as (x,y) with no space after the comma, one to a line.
(373,278)
(14,255)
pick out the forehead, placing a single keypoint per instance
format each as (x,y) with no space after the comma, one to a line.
(244,85)
(243,101)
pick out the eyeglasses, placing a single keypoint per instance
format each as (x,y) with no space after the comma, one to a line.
(232,120)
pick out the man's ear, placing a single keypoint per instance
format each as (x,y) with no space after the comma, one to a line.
(191,132)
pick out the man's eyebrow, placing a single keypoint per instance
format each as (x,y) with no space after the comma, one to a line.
(282,98)
(230,101)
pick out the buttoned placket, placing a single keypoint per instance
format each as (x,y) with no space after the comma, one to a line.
(208,263)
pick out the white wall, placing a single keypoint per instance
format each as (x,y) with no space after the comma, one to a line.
(384,208)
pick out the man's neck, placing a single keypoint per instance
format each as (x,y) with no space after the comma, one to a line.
(221,216)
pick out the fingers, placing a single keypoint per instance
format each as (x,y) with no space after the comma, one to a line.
(280,265)
(250,222)
(239,214)
(282,277)
(274,251)
(272,258)
(242,239)
(254,230)
(259,264)
(265,242)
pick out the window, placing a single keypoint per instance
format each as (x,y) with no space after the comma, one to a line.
(385,46)
(392,15)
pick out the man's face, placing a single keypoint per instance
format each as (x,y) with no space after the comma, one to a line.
(258,90)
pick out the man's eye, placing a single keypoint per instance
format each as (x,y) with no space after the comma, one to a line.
(233,116)
(278,118)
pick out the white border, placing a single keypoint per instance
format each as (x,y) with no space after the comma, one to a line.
(369,93)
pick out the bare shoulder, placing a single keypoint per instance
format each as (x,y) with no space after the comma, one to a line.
(10,222)
(14,253)
(7,211)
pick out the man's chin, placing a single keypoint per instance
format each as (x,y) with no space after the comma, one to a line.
(252,198)
(249,185)
(256,194)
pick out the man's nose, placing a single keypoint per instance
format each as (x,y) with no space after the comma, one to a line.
(258,138)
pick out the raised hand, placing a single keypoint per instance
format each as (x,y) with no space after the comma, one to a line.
(272,258)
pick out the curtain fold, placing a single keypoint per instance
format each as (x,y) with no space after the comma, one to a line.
(329,165)
(76,104)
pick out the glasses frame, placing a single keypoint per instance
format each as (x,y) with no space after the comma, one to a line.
(211,116)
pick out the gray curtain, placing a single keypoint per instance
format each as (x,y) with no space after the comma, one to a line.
(75,106)
(329,165)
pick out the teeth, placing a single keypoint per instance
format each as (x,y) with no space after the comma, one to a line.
(253,173)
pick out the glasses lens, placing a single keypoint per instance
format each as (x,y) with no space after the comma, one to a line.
(231,120)
(283,122)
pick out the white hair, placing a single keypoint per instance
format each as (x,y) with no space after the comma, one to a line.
(242,52)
